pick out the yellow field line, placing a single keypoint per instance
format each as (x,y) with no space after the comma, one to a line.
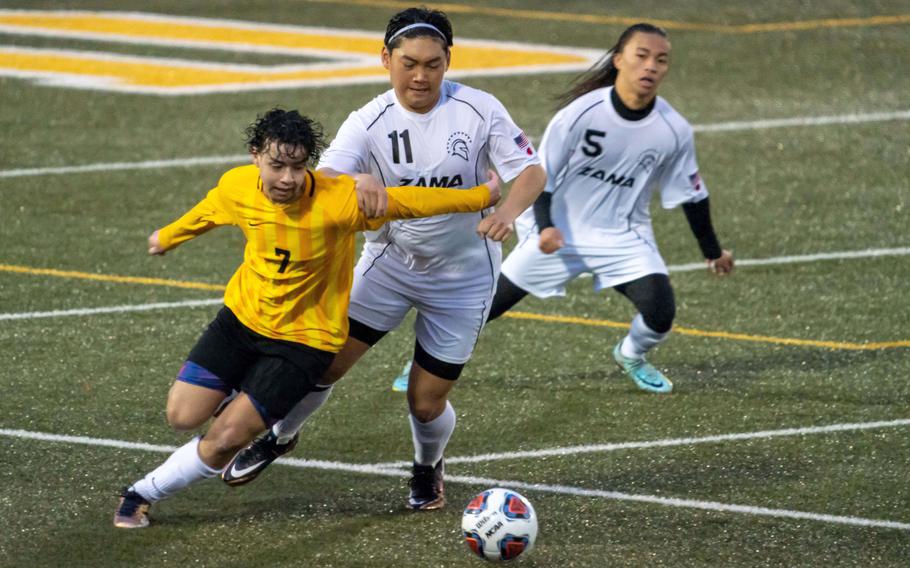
(716,334)
(896,19)
(110,278)
(843,345)
(524,14)
(627,21)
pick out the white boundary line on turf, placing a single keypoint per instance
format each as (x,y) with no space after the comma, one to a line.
(111,309)
(244,158)
(163,449)
(838,255)
(667,443)
(489,482)
(803,121)
(119,166)
(682,503)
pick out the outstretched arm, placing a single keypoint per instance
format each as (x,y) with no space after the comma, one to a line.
(372,197)
(412,202)
(206,215)
(155,248)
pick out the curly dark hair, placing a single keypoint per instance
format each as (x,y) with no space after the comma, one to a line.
(289,129)
(436,18)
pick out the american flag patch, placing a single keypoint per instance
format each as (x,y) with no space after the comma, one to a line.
(523,143)
(695,180)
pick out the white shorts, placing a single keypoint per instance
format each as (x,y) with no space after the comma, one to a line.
(629,256)
(451,310)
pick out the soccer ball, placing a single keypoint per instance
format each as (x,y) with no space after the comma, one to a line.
(499,524)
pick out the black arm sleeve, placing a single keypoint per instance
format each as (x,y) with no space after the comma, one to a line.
(699,216)
(542,211)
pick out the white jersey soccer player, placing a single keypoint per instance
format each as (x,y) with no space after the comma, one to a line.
(613,143)
(425,131)
(603,172)
(452,145)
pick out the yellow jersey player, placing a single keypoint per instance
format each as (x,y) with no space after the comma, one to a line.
(285,313)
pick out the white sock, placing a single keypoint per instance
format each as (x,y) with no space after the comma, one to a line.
(641,339)
(431,438)
(286,428)
(178,471)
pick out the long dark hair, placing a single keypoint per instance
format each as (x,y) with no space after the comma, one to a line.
(603,73)
(436,18)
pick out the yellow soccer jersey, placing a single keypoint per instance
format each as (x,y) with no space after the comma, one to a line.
(298,265)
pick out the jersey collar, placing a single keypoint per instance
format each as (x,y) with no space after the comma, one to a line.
(629,114)
(423,116)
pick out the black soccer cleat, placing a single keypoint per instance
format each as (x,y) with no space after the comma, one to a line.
(427,487)
(252,460)
(132,511)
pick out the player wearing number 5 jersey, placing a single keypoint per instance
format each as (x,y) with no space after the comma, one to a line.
(424,131)
(285,313)
(611,145)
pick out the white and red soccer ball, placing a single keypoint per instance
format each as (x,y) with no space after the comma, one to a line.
(499,524)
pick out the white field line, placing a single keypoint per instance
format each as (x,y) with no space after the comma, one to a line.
(839,255)
(119,166)
(683,503)
(673,268)
(108,443)
(489,482)
(111,309)
(243,158)
(667,443)
(803,121)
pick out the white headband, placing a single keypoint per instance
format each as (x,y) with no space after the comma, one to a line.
(417,25)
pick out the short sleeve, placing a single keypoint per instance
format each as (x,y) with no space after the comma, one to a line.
(511,150)
(347,152)
(556,148)
(681,182)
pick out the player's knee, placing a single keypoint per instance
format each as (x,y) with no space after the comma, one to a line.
(507,295)
(653,297)
(426,408)
(660,315)
(184,419)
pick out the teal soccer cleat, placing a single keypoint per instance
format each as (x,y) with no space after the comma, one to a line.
(643,373)
(400,384)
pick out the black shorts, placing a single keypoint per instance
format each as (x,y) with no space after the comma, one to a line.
(276,374)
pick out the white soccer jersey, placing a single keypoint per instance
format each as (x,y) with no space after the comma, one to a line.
(453,145)
(602,170)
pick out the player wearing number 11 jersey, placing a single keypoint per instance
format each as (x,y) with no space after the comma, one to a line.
(424,131)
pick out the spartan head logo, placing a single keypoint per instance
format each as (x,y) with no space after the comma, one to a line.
(460,148)
(647,159)
(457,145)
